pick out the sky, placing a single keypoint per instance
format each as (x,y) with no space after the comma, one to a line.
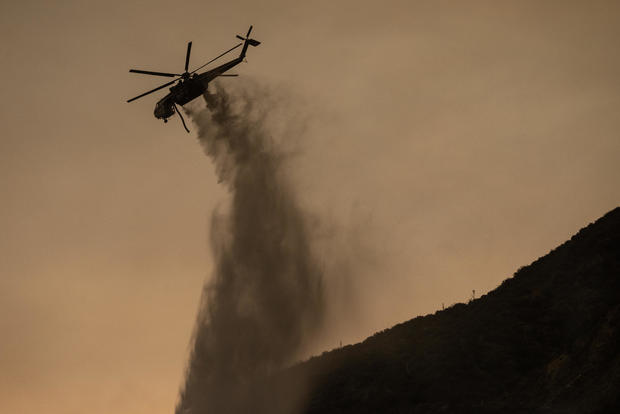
(445,145)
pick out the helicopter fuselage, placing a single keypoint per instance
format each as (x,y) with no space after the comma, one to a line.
(180,94)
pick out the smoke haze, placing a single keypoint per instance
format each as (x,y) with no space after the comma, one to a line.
(478,135)
(265,297)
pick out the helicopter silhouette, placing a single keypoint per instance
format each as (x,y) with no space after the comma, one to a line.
(190,85)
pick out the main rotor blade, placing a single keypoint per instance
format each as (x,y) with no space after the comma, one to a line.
(248,35)
(215,58)
(153,90)
(229,74)
(147,72)
(239,37)
(189,49)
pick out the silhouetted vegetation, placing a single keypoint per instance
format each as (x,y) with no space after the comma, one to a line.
(546,340)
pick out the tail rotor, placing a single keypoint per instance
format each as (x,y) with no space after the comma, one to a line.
(248,41)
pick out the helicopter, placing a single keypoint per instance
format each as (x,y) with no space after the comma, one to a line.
(190,85)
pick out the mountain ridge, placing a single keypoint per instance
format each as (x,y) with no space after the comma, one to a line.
(546,340)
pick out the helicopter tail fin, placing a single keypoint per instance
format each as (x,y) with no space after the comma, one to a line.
(247,42)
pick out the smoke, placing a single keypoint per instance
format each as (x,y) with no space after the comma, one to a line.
(265,298)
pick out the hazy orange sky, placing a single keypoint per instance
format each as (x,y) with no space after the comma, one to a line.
(447,144)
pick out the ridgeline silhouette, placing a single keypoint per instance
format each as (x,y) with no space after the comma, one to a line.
(546,340)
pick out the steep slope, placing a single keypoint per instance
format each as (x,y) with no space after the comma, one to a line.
(546,340)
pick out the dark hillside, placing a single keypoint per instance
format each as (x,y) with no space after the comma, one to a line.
(546,340)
